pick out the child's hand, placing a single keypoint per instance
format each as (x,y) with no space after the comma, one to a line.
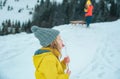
(66,60)
(68,72)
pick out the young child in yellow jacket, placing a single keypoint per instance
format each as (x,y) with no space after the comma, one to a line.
(46,59)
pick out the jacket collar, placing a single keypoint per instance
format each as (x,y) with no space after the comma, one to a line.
(54,51)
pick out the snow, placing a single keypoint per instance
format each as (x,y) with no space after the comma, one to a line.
(94,52)
(14,15)
(115,1)
(97,1)
(108,6)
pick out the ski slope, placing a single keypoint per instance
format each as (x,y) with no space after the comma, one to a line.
(94,52)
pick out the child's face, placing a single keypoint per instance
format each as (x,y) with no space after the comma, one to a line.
(86,6)
(60,42)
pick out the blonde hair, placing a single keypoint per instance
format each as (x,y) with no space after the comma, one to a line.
(55,45)
(88,2)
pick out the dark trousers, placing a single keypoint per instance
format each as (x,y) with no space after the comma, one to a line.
(88,20)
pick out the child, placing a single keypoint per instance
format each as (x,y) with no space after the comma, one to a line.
(88,12)
(46,59)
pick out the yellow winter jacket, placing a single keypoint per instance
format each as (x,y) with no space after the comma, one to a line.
(48,66)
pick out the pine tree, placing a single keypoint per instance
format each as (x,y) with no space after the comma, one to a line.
(4,3)
(23,27)
(9,26)
(42,3)
(0,4)
(118,8)
(65,11)
(28,27)
(113,9)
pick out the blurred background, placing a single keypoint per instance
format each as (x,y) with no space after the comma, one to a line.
(19,15)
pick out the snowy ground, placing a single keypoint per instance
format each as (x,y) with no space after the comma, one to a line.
(94,52)
(14,15)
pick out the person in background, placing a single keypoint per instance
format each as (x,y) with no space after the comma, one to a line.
(88,12)
(47,59)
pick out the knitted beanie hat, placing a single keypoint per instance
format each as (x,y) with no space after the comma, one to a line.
(45,35)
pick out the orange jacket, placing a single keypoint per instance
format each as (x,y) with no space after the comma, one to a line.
(89,10)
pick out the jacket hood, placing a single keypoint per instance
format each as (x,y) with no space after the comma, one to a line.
(41,53)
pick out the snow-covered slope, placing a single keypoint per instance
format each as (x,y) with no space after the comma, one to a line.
(24,6)
(18,9)
(94,52)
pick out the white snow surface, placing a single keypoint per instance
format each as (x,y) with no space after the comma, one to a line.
(14,15)
(94,52)
(24,15)
(97,1)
